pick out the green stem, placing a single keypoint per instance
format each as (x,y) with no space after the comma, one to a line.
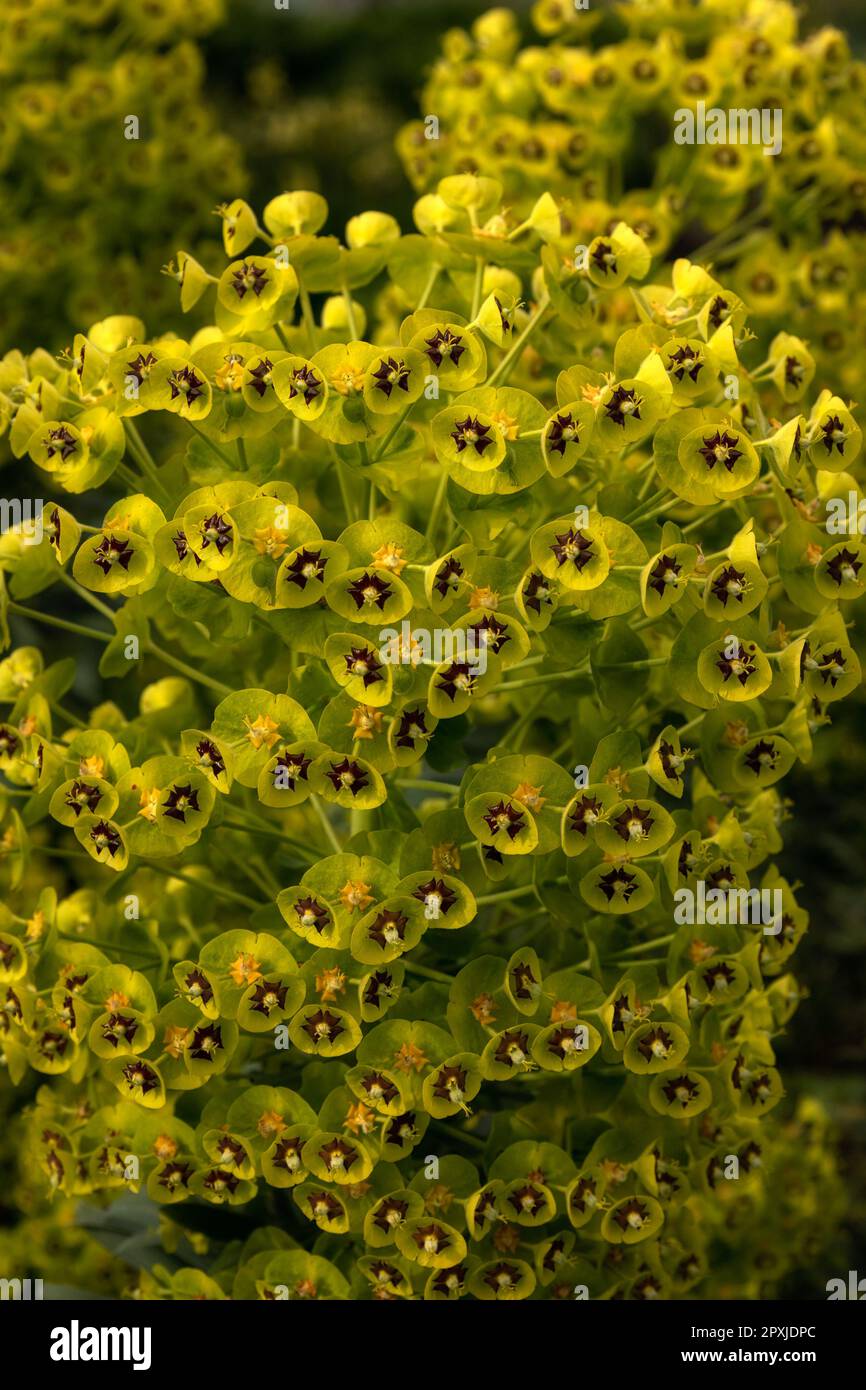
(736,229)
(85,595)
(646,946)
(342,479)
(80,631)
(270,832)
(454,1132)
(389,435)
(257,823)
(211,886)
(132,480)
(648,505)
(477,288)
(438,975)
(701,520)
(144,458)
(445,787)
(645,486)
(641,300)
(223,457)
(350,313)
(67,715)
(507,686)
(508,893)
(253,872)
(643,665)
(326,825)
(436,511)
(189,671)
(428,288)
(509,361)
(359,821)
(692,724)
(122,946)
(307,315)
(518,731)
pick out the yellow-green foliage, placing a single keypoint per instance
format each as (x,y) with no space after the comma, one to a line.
(588,114)
(89,214)
(461,608)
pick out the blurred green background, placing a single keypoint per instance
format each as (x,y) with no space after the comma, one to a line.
(316,93)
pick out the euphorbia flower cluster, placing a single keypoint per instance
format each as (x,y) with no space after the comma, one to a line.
(590,113)
(393,941)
